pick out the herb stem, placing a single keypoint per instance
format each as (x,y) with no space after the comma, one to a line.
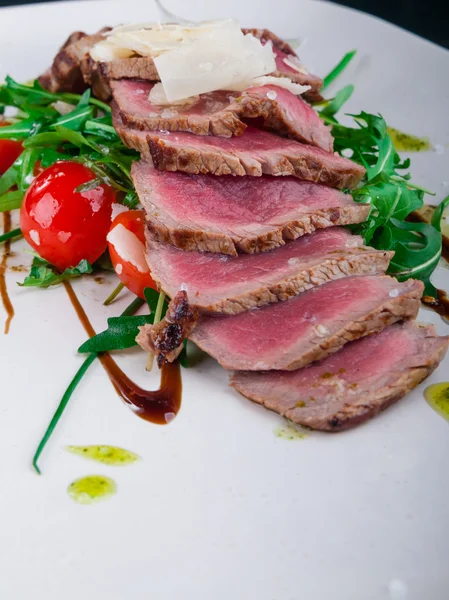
(412,186)
(70,98)
(131,309)
(157,318)
(14,233)
(61,407)
(114,294)
(338,69)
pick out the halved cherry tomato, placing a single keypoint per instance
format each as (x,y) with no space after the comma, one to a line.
(62,225)
(9,151)
(126,243)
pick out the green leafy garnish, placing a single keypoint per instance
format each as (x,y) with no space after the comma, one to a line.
(84,134)
(14,233)
(43,274)
(130,310)
(338,69)
(120,334)
(122,331)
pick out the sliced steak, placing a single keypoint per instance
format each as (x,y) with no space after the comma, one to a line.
(210,114)
(65,74)
(284,113)
(284,52)
(352,385)
(220,113)
(229,214)
(165,339)
(290,335)
(136,67)
(220,283)
(254,153)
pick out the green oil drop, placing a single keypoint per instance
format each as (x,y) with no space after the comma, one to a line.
(437,395)
(108,455)
(289,432)
(404,142)
(91,489)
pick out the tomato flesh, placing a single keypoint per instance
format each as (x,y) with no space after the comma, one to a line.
(9,151)
(62,225)
(127,251)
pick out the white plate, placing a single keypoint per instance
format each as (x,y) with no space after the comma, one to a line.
(220,507)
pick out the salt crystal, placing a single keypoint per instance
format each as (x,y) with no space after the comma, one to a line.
(164,131)
(184,287)
(394,293)
(167,113)
(272,95)
(292,261)
(321,331)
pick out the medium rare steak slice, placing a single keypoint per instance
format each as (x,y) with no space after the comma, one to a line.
(284,52)
(210,114)
(219,113)
(352,385)
(290,335)
(165,339)
(255,153)
(220,283)
(284,113)
(229,214)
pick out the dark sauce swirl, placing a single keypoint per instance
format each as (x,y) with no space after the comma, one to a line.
(3,289)
(158,406)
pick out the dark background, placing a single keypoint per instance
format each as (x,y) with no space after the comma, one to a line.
(428,18)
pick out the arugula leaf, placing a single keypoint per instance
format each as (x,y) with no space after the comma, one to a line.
(120,334)
(335,105)
(338,69)
(11,200)
(438,213)
(43,274)
(122,331)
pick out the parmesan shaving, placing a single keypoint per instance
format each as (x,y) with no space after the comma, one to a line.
(158,97)
(222,59)
(294,63)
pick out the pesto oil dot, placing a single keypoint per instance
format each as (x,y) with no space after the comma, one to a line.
(91,489)
(107,455)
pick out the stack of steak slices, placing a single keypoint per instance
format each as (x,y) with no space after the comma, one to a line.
(245,214)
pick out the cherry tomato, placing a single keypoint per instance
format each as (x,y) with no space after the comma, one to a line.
(62,225)
(126,243)
(9,151)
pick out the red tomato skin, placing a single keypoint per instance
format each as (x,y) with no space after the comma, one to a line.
(130,276)
(9,151)
(64,226)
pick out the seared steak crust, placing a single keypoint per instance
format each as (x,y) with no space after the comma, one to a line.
(283,50)
(165,339)
(264,283)
(253,153)
(65,74)
(230,214)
